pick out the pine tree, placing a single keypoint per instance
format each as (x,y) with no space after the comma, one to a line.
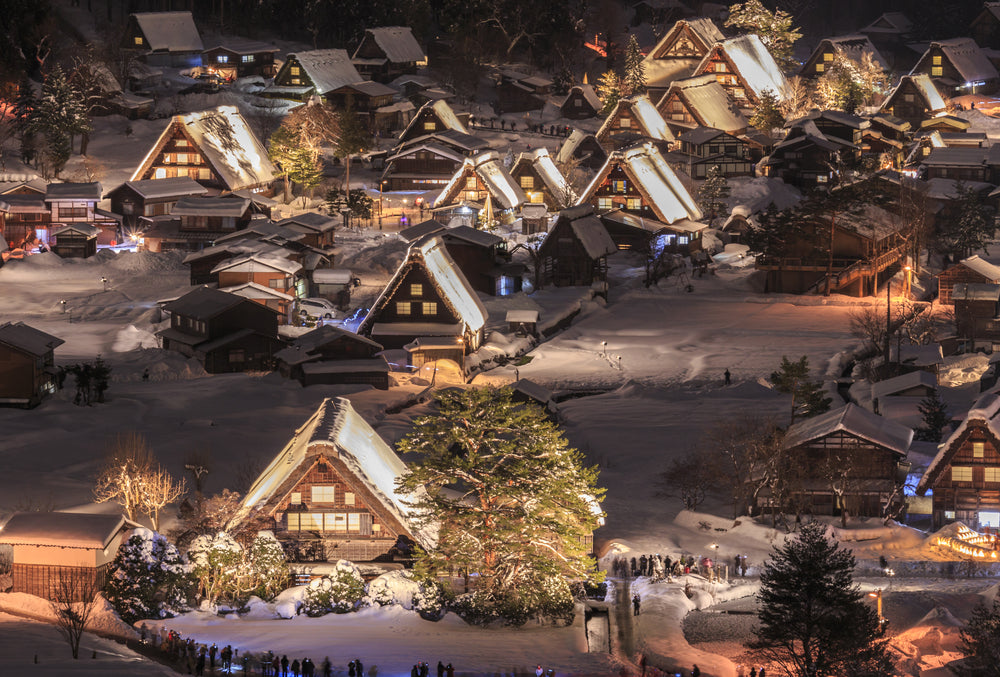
(774,29)
(634,71)
(713,193)
(268,566)
(814,621)
(808,398)
(609,89)
(767,116)
(971,228)
(934,413)
(147,578)
(23,108)
(512,501)
(981,643)
(352,139)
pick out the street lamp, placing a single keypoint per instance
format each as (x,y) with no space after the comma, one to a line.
(104,281)
(604,345)
(63,304)
(878,603)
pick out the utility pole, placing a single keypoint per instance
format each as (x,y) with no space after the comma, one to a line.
(888,319)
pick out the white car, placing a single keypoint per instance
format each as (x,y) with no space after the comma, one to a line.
(317,308)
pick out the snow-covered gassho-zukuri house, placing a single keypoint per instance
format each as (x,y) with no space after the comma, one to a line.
(313,73)
(745,69)
(964,476)
(387,52)
(432,118)
(331,492)
(481,180)
(680,51)
(164,38)
(958,66)
(634,120)
(639,183)
(542,181)
(428,299)
(853,47)
(216,148)
(63,555)
(701,101)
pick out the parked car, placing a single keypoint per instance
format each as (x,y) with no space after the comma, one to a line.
(317,307)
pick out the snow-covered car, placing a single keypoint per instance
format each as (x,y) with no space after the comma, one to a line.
(318,308)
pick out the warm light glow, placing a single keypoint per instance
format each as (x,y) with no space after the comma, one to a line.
(967,543)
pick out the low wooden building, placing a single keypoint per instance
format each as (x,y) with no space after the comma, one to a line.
(480,179)
(964,476)
(151,197)
(428,296)
(276,300)
(917,384)
(75,240)
(634,120)
(581,103)
(428,162)
(972,270)
(164,38)
(914,100)
(706,148)
(226,332)
(24,215)
(575,251)
(76,203)
(519,92)
(977,315)
(236,57)
(845,460)
(386,52)
(27,367)
(433,117)
(331,493)
(63,556)
(330,355)
(314,72)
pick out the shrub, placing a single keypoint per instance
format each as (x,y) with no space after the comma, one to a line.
(147,579)
(341,592)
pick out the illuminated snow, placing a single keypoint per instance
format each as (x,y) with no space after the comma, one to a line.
(985,410)
(498,181)
(854,420)
(649,121)
(709,102)
(553,178)
(753,63)
(328,69)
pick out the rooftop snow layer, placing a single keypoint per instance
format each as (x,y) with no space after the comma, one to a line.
(709,102)
(170,31)
(854,420)
(758,69)
(62,529)
(398,43)
(328,69)
(27,338)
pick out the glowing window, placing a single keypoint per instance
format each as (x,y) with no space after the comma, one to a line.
(470,182)
(936,60)
(403,308)
(677,106)
(354,522)
(820,68)
(961,473)
(527,182)
(936,71)
(633,203)
(310,521)
(160,173)
(978,448)
(618,186)
(536,198)
(182,158)
(222,58)
(348,498)
(322,494)
(828,56)
(429,308)
(604,204)
(138,39)
(683,239)
(376,528)
(472,195)
(720,67)
(296,498)
(416,290)
(624,123)
(991,474)
(204,175)
(739,93)
(247,58)
(181,143)
(296,81)
(336,521)
(294,70)
(430,126)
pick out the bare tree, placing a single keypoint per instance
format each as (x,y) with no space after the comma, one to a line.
(689,479)
(123,477)
(160,490)
(841,472)
(75,604)
(750,456)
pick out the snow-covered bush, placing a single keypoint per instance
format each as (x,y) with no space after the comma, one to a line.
(380,592)
(217,563)
(548,597)
(268,569)
(147,579)
(429,600)
(341,592)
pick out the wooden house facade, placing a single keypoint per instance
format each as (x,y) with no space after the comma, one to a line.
(680,51)
(27,366)
(215,147)
(313,73)
(228,333)
(581,103)
(701,101)
(964,476)
(971,270)
(854,47)
(977,315)
(518,92)
(916,98)
(481,179)
(847,460)
(985,28)
(431,118)
(24,216)
(164,38)
(76,203)
(239,58)
(541,180)
(152,197)
(427,297)
(707,148)
(575,251)
(387,52)
(63,556)
(745,69)
(329,355)
(634,120)
(74,241)
(958,66)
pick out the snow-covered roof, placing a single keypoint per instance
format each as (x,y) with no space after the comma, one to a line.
(91,231)
(226,142)
(853,420)
(661,70)
(984,411)
(445,275)
(242,46)
(889,22)
(170,31)
(364,366)
(708,101)
(168,187)
(328,69)
(754,64)
(313,221)
(968,59)
(203,303)
(918,355)
(593,236)
(572,142)
(903,382)
(252,290)
(854,47)
(204,205)
(444,113)
(648,120)
(336,430)
(302,348)
(644,164)
(253,262)
(422,229)
(494,175)
(28,339)
(975,291)
(90,192)
(370,88)
(397,42)
(589,95)
(926,88)
(556,183)
(981,266)
(63,529)
(528,316)
(471,235)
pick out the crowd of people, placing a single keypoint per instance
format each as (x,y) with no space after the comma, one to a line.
(658,567)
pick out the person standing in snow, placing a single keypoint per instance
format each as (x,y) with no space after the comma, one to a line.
(359,667)
(440,672)
(728,377)
(539,672)
(642,565)
(635,604)
(449,670)
(295,668)
(634,567)
(284,666)
(327,667)
(753,672)
(695,671)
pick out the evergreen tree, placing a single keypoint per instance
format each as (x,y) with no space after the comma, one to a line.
(297,160)
(58,116)
(981,643)
(934,413)
(357,204)
(268,566)
(352,139)
(609,89)
(808,398)
(712,194)
(634,72)
(340,592)
(774,29)
(512,501)
(562,82)
(23,108)
(767,116)
(147,578)
(971,228)
(216,567)
(814,621)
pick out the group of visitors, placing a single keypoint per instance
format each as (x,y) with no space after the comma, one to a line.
(658,566)
(421,669)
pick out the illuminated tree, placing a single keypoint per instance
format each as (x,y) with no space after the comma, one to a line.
(609,88)
(847,84)
(634,78)
(132,478)
(774,29)
(767,115)
(513,503)
(712,194)
(798,98)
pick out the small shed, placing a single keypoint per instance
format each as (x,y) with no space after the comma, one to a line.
(27,371)
(915,384)
(62,555)
(523,322)
(534,219)
(335,284)
(75,241)
(424,349)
